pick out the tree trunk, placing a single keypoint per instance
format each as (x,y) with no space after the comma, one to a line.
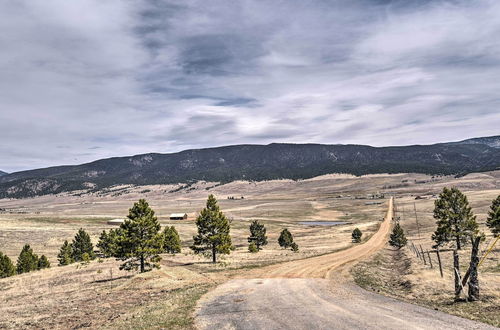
(142,264)
(459,247)
(214,254)
(456,272)
(474,280)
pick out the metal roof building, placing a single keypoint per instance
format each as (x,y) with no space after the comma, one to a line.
(178,216)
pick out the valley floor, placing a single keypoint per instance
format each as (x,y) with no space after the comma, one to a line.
(99,295)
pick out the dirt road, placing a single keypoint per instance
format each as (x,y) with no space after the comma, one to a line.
(315,293)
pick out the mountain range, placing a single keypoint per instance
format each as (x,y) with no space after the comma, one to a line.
(257,163)
(3,173)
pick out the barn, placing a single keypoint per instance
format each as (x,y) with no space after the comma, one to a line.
(178,216)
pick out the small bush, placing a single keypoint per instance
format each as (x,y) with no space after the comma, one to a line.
(356,235)
(252,247)
(286,239)
(43,262)
(295,247)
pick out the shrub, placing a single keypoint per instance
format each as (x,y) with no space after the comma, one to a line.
(286,239)
(356,235)
(43,262)
(252,247)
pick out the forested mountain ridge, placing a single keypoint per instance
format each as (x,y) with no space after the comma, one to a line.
(257,162)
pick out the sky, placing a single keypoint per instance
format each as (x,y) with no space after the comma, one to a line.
(82,80)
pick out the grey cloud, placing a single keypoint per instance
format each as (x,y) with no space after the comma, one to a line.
(111,78)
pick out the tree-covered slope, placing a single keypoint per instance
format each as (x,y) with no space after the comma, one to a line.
(256,162)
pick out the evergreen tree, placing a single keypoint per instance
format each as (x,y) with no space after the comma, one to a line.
(356,235)
(252,248)
(493,221)
(82,244)
(65,254)
(27,260)
(213,231)
(107,242)
(455,221)
(286,239)
(397,238)
(43,262)
(6,266)
(257,235)
(171,240)
(139,240)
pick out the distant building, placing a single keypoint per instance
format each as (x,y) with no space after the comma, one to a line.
(116,222)
(178,216)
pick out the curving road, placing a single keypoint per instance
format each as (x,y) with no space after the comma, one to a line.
(313,293)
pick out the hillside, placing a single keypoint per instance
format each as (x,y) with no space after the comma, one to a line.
(3,173)
(256,162)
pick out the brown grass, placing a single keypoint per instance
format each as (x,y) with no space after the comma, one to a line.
(65,297)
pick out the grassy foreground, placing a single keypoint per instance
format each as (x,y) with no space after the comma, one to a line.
(176,311)
(392,273)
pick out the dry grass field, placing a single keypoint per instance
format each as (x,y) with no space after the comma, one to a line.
(404,275)
(99,295)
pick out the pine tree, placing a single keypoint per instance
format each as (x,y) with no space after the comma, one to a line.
(252,248)
(493,221)
(356,235)
(213,231)
(455,221)
(397,238)
(27,260)
(82,244)
(43,262)
(139,240)
(286,239)
(107,242)
(257,235)
(65,254)
(171,240)
(6,266)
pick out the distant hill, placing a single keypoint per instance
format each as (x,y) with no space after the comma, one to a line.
(257,162)
(491,141)
(3,173)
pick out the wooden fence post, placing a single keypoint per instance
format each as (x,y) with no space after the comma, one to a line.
(474,281)
(458,282)
(423,255)
(439,261)
(429,256)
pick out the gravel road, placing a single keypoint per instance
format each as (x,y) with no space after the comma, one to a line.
(314,304)
(315,293)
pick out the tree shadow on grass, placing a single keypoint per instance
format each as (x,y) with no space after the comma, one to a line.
(113,279)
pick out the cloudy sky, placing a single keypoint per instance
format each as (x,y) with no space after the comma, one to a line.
(87,79)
